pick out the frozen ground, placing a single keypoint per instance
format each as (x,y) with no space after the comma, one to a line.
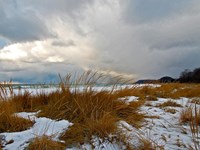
(162,128)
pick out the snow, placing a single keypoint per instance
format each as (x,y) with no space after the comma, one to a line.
(167,130)
(129,99)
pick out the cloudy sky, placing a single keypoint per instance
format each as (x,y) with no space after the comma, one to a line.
(139,38)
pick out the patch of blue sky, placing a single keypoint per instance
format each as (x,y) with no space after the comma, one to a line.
(2,43)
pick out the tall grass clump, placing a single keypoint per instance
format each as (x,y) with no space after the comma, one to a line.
(6,91)
(170,103)
(191,115)
(45,143)
(31,102)
(9,122)
(194,127)
(92,111)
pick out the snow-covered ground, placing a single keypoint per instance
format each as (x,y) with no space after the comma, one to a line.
(43,126)
(48,89)
(166,130)
(163,128)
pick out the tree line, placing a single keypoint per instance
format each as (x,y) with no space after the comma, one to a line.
(188,76)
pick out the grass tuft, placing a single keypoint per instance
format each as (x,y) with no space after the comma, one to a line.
(170,110)
(92,112)
(190,114)
(195,100)
(10,122)
(45,143)
(170,103)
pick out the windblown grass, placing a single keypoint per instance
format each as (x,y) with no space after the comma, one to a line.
(92,112)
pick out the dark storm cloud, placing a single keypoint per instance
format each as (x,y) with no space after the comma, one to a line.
(63,43)
(20,25)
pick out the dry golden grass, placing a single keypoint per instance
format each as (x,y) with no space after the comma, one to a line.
(147,145)
(45,143)
(188,90)
(170,90)
(28,102)
(190,115)
(195,100)
(10,122)
(170,103)
(82,132)
(186,115)
(129,112)
(92,112)
(177,90)
(194,127)
(151,98)
(152,117)
(5,91)
(170,110)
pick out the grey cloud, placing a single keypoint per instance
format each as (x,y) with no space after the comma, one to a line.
(130,45)
(180,32)
(63,43)
(23,21)
(20,25)
(143,11)
(12,70)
